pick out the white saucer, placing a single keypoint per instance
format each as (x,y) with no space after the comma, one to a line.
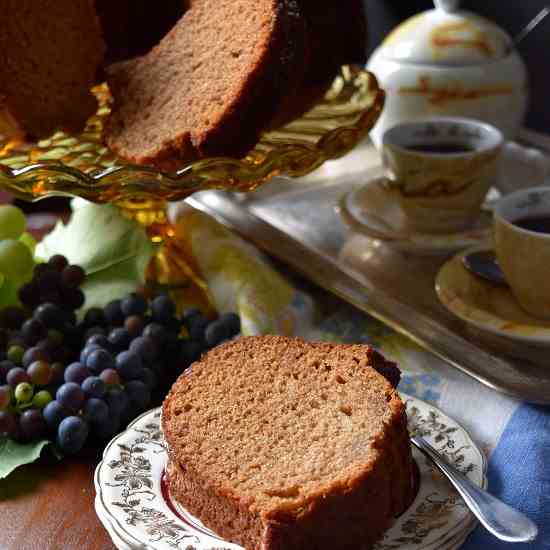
(132,506)
(486,306)
(372,211)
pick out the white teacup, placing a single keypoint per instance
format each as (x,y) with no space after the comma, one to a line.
(440,170)
(522,252)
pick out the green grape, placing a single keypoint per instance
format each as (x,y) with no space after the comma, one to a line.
(41,399)
(16,260)
(12,222)
(29,241)
(8,293)
(15,354)
(23,392)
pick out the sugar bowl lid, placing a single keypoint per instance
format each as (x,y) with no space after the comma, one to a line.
(447,36)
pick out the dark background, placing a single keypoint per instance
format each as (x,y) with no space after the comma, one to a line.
(512,15)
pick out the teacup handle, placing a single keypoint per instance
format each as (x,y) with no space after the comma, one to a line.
(447,5)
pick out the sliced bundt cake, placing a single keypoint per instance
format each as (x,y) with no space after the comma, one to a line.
(278,443)
(211,85)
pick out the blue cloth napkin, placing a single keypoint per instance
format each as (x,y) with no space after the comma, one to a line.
(519,473)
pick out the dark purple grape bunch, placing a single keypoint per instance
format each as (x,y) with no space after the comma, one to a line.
(72,381)
(55,282)
(37,340)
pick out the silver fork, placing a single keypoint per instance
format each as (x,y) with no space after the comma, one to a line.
(498,518)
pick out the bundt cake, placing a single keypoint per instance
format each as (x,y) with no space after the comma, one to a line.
(276,443)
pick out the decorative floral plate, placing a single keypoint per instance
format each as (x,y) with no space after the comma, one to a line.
(490,308)
(373,211)
(135,508)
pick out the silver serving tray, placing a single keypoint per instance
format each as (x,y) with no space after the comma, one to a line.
(299,224)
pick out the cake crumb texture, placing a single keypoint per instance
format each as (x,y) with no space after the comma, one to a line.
(52,52)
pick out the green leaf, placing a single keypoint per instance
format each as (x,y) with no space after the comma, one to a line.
(107,284)
(13,455)
(113,250)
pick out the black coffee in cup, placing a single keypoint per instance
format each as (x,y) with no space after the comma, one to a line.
(538,224)
(441,148)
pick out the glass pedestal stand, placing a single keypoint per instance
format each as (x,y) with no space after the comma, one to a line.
(81,166)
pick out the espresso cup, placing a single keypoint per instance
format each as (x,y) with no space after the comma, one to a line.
(440,170)
(522,245)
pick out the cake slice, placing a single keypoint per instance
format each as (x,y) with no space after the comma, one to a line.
(51,54)
(280,444)
(211,85)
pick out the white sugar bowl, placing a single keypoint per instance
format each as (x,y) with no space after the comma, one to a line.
(448,62)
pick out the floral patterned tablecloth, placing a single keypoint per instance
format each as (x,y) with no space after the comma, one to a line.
(515,436)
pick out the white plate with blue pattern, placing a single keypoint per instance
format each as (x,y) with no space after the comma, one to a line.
(135,507)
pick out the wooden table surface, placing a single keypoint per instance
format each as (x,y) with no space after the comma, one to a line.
(50,505)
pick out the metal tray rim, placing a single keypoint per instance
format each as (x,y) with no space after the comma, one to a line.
(324,271)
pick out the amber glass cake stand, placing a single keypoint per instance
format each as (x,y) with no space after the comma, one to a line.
(81,166)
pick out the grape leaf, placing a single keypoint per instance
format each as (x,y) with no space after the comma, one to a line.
(13,454)
(119,279)
(112,250)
